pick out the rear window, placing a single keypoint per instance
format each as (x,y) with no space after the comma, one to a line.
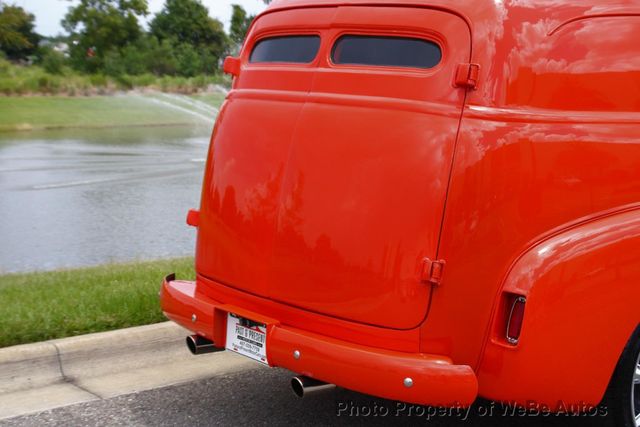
(296,49)
(386,51)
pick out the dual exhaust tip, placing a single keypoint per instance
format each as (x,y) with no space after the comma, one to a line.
(301,385)
(201,345)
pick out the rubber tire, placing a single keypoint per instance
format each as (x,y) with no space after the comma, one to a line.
(618,395)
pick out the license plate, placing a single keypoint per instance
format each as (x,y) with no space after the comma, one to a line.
(247,337)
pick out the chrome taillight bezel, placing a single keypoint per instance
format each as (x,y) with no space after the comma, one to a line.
(520,300)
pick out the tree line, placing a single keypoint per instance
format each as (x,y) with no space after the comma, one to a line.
(105,37)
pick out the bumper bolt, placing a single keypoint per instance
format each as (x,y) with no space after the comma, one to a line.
(194,318)
(296,355)
(408,382)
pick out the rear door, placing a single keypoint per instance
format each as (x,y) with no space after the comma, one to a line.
(365,183)
(347,168)
(250,148)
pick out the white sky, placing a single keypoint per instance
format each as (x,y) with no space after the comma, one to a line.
(49,13)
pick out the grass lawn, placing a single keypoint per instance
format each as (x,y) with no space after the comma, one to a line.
(52,112)
(213,99)
(47,305)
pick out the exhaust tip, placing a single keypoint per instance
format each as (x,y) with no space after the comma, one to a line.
(191,344)
(200,345)
(303,386)
(297,386)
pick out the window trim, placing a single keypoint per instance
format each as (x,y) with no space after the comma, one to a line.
(428,36)
(248,49)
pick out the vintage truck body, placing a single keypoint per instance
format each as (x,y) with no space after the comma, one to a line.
(428,230)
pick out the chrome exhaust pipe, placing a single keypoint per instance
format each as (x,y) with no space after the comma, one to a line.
(302,386)
(201,345)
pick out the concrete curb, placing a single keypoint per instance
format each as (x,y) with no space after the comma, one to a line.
(45,375)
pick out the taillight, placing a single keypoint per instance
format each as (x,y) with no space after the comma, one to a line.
(514,321)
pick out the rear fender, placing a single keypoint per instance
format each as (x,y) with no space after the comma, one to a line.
(581,288)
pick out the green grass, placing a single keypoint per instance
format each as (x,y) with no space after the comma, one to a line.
(46,305)
(213,99)
(54,112)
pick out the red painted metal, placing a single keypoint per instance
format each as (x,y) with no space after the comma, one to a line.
(362,368)
(193,217)
(467,76)
(231,65)
(327,186)
(432,271)
(302,217)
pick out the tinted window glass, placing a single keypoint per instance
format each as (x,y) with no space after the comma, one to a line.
(300,49)
(386,51)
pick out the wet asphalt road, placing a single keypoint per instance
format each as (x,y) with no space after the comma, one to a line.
(262,396)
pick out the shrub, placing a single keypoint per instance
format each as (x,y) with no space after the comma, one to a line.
(113,64)
(99,80)
(200,82)
(134,59)
(5,65)
(53,62)
(52,76)
(189,62)
(7,86)
(124,82)
(162,59)
(46,84)
(143,80)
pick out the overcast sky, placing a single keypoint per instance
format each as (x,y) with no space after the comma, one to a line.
(49,13)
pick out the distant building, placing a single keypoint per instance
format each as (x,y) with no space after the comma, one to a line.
(57,45)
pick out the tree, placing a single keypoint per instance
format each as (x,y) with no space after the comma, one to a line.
(18,39)
(187,22)
(100,26)
(240,23)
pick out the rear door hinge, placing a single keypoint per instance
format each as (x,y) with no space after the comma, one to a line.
(467,75)
(432,271)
